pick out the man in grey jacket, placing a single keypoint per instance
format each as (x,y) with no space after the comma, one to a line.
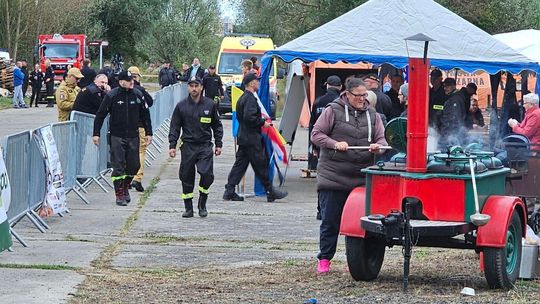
(349,121)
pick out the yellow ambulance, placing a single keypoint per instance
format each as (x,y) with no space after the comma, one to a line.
(235,48)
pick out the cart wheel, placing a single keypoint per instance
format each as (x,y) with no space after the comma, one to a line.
(534,221)
(364,257)
(502,264)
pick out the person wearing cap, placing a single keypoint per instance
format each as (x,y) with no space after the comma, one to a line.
(384,104)
(437,98)
(348,121)
(67,92)
(212,85)
(194,120)
(453,130)
(125,107)
(148,102)
(250,144)
(333,89)
(91,96)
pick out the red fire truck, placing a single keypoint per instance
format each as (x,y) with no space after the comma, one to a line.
(61,50)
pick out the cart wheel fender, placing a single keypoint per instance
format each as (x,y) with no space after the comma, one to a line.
(500,208)
(354,209)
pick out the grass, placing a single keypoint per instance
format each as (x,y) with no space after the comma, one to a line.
(39,266)
(5,103)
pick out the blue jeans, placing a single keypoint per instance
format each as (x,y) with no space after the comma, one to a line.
(332,203)
(18,97)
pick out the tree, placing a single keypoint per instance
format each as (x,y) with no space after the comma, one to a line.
(187,29)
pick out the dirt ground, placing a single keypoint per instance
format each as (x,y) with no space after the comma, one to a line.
(437,276)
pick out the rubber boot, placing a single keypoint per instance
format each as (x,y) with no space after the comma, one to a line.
(231,195)
(189,208)
(125,185)
(202,205)
(275,194)
(119,192)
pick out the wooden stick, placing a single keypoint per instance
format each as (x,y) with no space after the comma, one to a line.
(366,147)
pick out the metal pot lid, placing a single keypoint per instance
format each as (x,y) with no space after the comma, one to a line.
(453,157)
(395,133)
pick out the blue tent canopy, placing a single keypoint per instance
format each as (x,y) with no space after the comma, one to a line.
(375,32)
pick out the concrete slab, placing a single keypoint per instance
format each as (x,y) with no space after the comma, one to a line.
(18,120)
(47,252)
(192,256)
(36,286)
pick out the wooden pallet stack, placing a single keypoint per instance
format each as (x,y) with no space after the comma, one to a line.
(6,75)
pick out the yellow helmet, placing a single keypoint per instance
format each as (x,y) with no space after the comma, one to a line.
(134,70)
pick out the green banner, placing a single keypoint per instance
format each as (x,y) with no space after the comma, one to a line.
(5,236)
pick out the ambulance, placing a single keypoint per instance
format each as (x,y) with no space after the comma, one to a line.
(235,48)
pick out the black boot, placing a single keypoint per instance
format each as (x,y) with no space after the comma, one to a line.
(189,208)
(202,205)
(230,195)
(138,186)
(275,194)
(127,197)
(119,192)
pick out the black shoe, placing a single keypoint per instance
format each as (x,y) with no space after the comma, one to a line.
(202,205)
(127,197)
(138,186)
(232,196)
(189,208)
(319,216)
(275,194)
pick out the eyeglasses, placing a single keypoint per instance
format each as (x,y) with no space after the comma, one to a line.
(358,95)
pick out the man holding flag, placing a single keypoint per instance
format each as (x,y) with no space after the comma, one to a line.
(250,143)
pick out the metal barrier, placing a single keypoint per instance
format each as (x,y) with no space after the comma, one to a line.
(79,157)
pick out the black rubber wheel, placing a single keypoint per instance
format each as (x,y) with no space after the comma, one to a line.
(501,265)
(364,257)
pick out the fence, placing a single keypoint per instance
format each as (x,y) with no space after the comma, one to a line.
(82,162)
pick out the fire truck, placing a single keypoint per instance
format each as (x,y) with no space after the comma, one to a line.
(61,50)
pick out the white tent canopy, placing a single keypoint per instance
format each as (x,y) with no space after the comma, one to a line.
(527,42)
(375,32)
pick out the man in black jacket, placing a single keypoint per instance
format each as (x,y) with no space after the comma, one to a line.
(212,85)
(196,118)
(36,80)
(125,106)
(148,101)
(250,144)
(89,74)
(90,98)
(49,83)
(453,130)
(393,93)
(26,80)
(437,98)
(167,75)
(195,70)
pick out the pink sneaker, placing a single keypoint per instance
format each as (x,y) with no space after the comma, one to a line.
(323,267)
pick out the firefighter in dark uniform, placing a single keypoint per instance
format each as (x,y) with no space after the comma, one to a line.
(437,98)
(212,85)
(250,144)
(49,83)
(90,98)
(196,118)
(126,108)
(333,90)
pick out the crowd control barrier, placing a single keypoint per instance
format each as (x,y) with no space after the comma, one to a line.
(82,162)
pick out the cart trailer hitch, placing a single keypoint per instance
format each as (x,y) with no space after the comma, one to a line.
(397,226)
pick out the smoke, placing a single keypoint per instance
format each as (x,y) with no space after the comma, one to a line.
(432,140)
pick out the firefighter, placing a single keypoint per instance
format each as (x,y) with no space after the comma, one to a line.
(196,117)
(49,83)
(66,93)
(126,108)
(148,101)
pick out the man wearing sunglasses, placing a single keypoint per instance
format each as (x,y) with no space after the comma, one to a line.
(348,121)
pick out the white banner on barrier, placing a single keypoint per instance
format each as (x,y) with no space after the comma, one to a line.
(5,189)
(55,200)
